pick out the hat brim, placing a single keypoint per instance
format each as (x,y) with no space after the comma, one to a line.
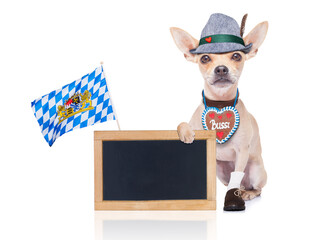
(221,48)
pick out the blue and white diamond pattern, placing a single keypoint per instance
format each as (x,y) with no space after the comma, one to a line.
(45,108)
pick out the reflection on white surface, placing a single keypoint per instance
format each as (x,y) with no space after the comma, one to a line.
(162,225)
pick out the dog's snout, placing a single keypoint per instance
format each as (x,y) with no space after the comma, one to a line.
(221,70)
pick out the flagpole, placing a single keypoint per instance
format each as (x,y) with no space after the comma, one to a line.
(114,109)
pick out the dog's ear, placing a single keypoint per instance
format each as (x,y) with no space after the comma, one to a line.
(185,42)
(256,37)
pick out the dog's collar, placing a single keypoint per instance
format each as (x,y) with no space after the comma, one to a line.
(220,104)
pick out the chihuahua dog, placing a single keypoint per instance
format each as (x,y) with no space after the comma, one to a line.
(221,72)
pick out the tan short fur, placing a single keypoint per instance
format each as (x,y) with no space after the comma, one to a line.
(243,151)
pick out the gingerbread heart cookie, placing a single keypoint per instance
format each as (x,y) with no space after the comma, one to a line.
(224,121)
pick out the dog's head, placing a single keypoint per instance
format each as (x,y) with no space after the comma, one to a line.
(221,72)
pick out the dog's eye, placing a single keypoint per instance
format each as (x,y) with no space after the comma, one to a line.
(205,59)
(236,57)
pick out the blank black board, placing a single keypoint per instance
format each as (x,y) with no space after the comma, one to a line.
(154,170)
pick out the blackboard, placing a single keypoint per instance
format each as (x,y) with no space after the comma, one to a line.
(153,170)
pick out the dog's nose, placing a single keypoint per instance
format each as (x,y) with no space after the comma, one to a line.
(221,70)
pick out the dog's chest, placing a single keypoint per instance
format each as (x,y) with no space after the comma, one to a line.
(225,152)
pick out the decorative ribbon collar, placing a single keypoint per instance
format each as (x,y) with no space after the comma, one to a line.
(220,104)
(220,38)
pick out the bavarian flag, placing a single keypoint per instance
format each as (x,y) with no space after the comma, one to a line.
(79,104)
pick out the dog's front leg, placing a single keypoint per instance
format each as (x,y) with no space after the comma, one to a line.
(242,154)
(185,132)
(233,199)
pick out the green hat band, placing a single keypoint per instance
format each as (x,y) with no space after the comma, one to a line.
(220,38)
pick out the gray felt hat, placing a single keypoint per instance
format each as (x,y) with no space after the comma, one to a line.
(221,34)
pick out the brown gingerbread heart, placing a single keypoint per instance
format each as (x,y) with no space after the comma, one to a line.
(224,121)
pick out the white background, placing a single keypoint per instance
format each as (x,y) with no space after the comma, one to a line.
(48,192)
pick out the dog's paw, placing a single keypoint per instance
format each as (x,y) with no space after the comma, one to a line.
(250,194)
(186,134)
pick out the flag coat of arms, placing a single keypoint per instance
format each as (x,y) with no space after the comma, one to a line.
(79,104)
